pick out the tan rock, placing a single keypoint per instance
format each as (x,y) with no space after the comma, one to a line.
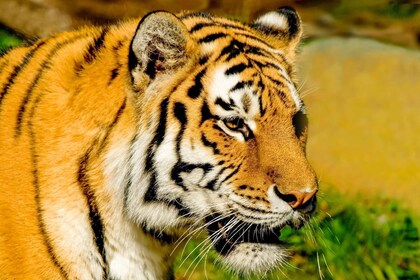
(363,99)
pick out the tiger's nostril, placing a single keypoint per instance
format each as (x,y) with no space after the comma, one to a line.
(295,199)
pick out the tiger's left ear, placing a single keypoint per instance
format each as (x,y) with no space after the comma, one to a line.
(160,45)
(282,29)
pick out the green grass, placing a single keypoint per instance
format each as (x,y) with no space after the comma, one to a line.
(348,238)
(8,40)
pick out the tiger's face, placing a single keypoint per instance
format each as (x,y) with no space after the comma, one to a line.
(227,148)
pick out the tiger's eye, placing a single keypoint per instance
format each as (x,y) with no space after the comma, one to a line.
(235,123)
(238,124)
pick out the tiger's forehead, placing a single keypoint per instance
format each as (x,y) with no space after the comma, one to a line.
(208,30)
(243,89)
(242,68)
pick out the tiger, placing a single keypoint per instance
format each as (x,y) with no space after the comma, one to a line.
(120,142)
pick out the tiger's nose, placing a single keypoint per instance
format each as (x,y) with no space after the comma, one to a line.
(296,199)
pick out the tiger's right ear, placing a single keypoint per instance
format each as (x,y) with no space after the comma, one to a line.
(161,44)
(283,29)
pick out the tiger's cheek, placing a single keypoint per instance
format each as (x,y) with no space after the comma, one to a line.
(225,147)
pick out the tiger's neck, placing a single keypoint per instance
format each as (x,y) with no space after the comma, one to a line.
(139,242)
(134,254)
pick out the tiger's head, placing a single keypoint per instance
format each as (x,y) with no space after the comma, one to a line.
(222,133)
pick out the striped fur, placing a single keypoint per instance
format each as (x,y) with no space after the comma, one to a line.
(119,141)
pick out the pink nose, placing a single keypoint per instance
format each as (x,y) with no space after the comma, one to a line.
(297,198)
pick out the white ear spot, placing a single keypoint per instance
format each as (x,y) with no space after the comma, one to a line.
(274,20)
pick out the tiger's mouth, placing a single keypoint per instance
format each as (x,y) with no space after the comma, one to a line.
(227,233)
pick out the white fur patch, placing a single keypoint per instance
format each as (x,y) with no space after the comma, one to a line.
(76,239)
(250,258)
(278,204)
(274,20)
(220,85)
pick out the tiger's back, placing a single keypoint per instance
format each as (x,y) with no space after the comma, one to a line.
(117,141)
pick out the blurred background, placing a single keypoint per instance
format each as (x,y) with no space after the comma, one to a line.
(359,70)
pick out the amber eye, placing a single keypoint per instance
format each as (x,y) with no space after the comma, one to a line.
(238,124)
(234,123)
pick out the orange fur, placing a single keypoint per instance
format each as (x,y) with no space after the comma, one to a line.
(67,100)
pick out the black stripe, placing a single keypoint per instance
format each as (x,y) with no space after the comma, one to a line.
(231,174)
(254,209)
(150,153)
(83,179)
(17,69)
(270,56)
(36,184)
(181,166)
(203,60)
(150,194)
(184,167)
(114,73)
(261,85)
(226,106)
(90,54)
(3,65)
(275,81)
(195,90)
(94,216)
(128,178)
(112,125)
(233,49)
(46,65)
(96,46)
(210,144)
(116,70)
(200,26)
(212,37)
(183,211)
(233,54)
(232,26)
(205,113)
(270,64)
(255,51)
(236,69)
(292,20)
(180,113)
(211,185)
(249,37)
(160,235)
(262,109)
(241,85)
(161,129)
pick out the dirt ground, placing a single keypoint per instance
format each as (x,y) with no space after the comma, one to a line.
(363,99)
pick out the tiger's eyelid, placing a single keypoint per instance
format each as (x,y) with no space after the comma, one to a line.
(232,118)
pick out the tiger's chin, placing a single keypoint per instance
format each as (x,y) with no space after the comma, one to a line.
(255,258)
(247,248)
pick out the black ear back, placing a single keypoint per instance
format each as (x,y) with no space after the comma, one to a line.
(159,45)
(282,24)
